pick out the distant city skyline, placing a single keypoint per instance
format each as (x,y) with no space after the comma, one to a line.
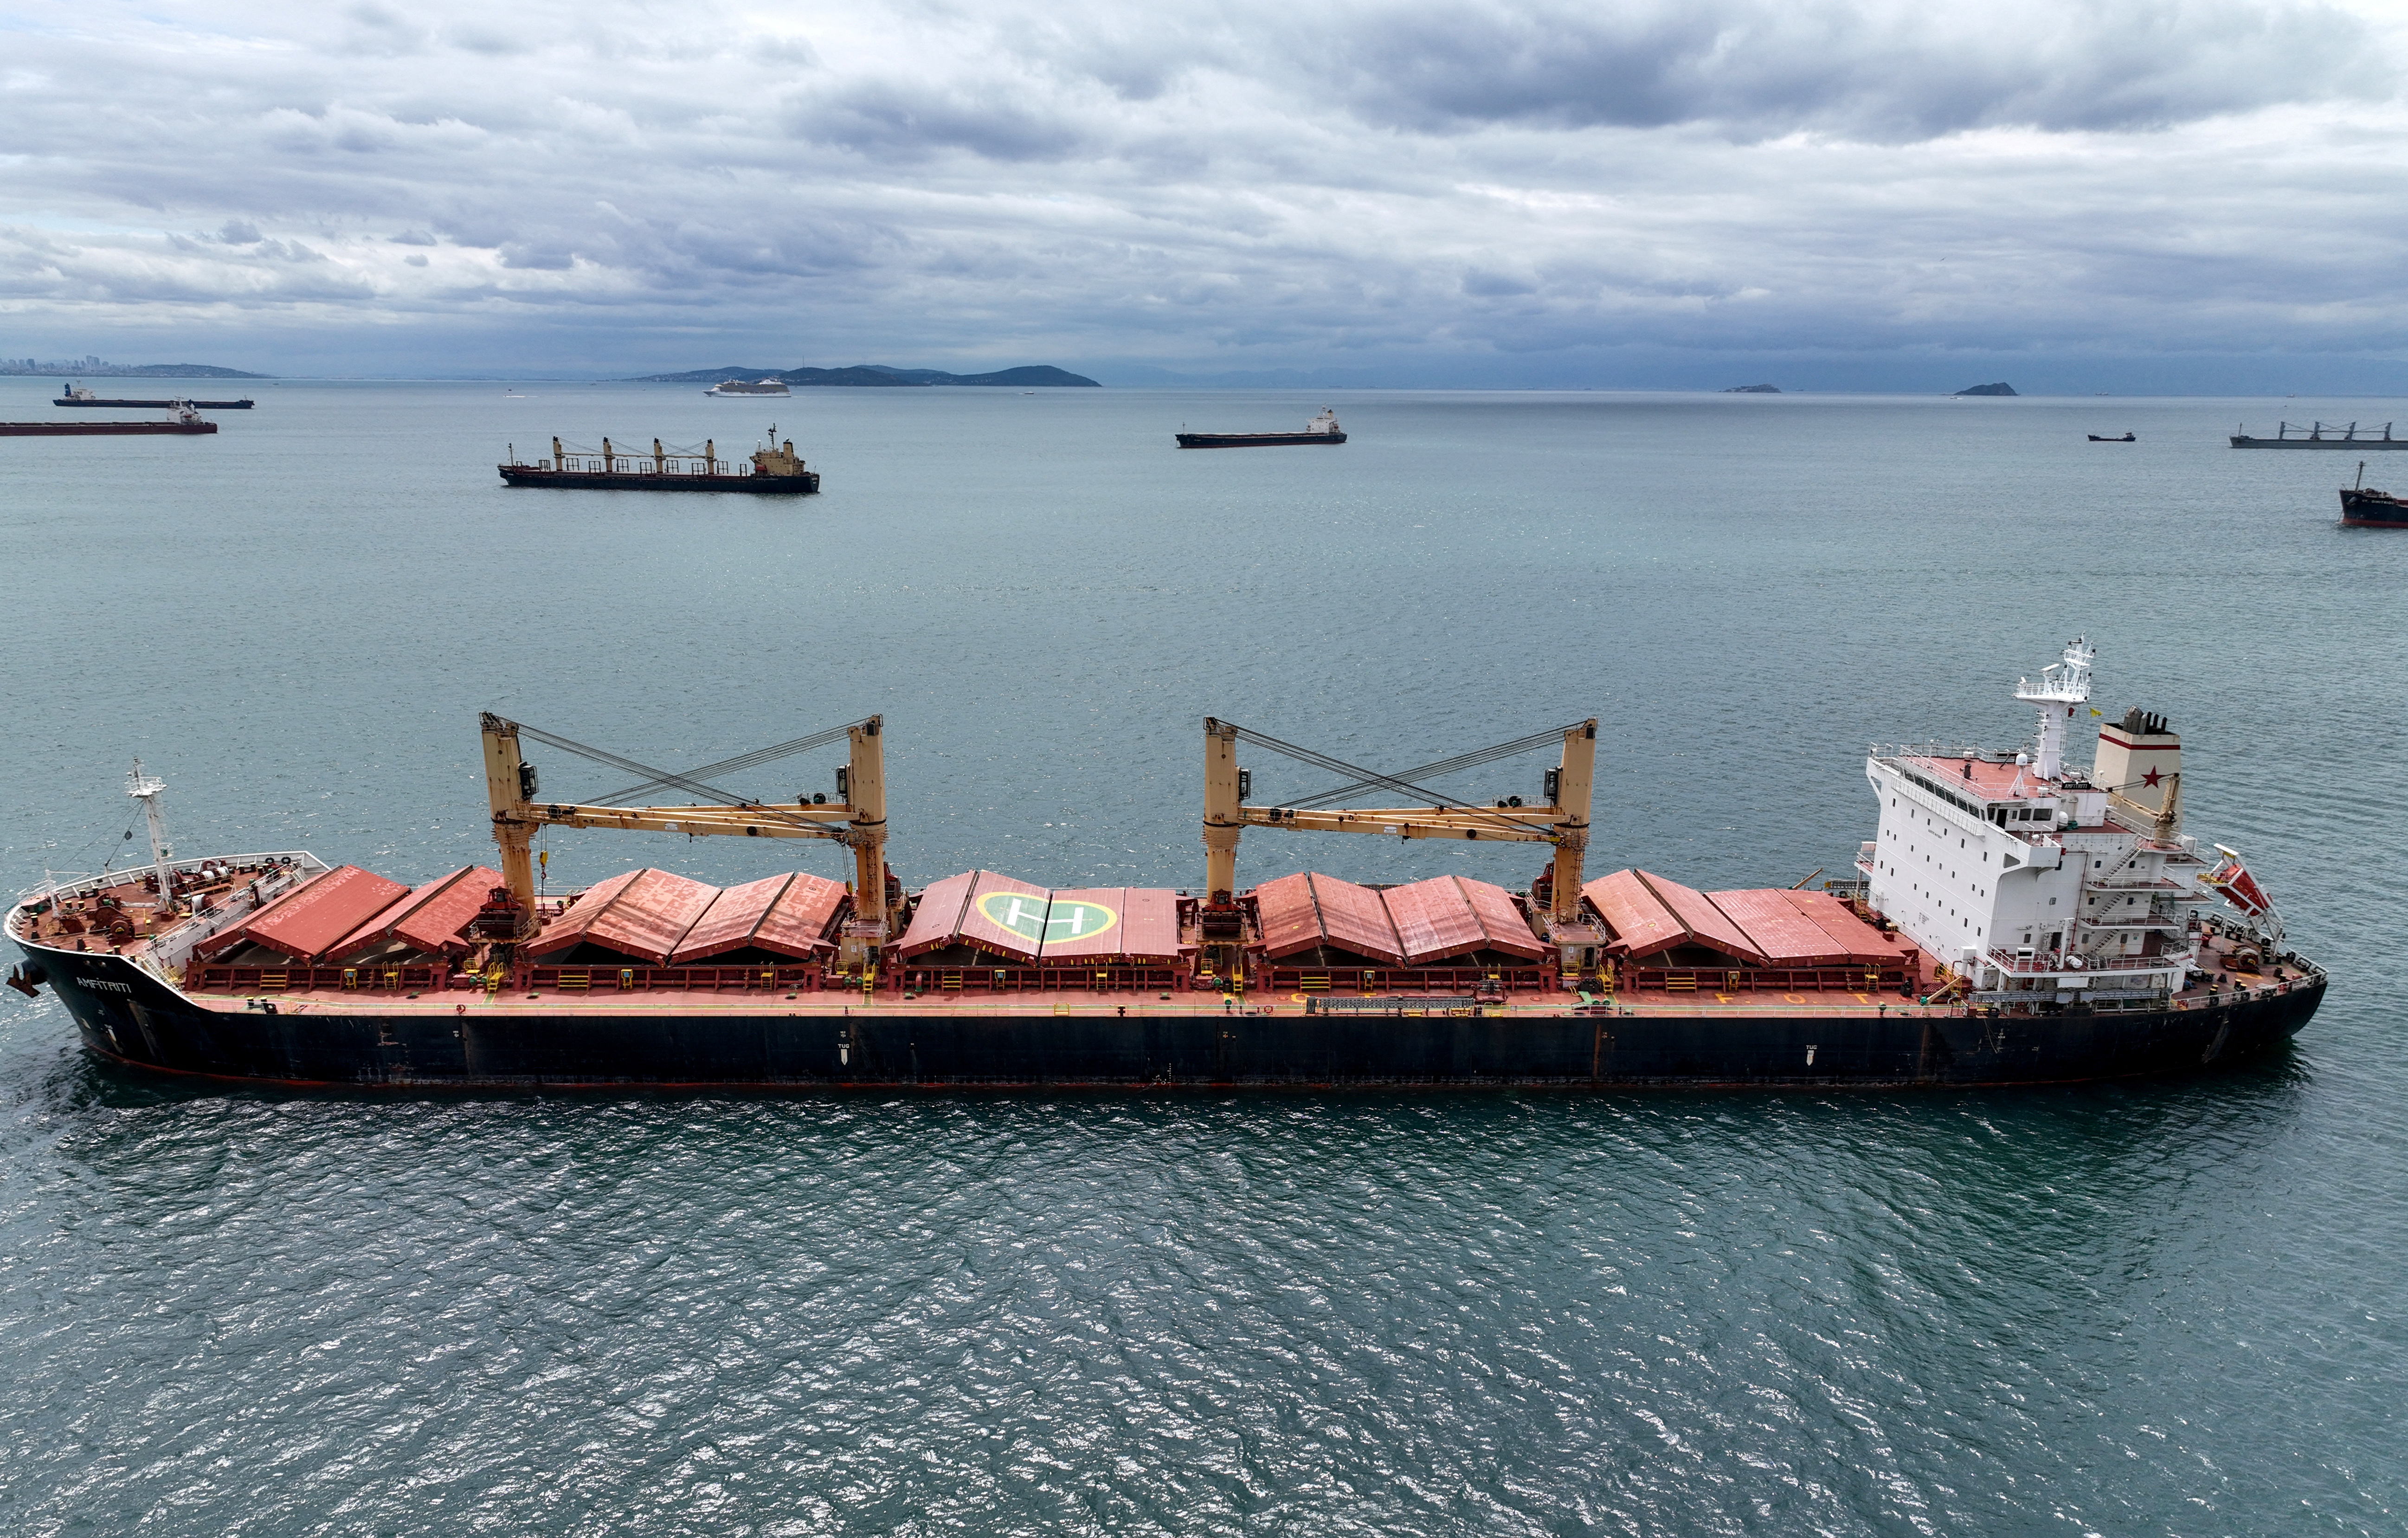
(2139,197)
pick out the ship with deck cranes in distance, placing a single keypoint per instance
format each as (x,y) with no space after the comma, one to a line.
(2017,919)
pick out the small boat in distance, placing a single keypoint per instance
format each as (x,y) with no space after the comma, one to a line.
(2319,436)
(2101,438)
(182,421)
(77,395)
(772,386)
(776,471)
(2363,507)
(1321,429)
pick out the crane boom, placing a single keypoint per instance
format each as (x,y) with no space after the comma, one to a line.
(1562,822)
(856,819)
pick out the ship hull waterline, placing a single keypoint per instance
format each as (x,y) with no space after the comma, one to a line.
(2371,509)
(243,405)
(125,1015)
(751,485)
(106,429)
(2240,443)
(1256,440)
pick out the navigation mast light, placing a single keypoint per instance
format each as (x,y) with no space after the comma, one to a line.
(2063,686)
(146,788)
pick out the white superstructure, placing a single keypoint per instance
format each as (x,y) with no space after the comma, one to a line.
(2034,880)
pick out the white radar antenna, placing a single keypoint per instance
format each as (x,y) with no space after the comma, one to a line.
(2063,685)
(146,789)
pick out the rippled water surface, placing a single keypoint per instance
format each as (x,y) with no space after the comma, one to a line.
(2157,1308)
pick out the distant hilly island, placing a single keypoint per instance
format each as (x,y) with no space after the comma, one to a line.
(1037,376)
(94,369)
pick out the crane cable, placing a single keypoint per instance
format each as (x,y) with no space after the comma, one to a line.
(1444,766)
(1371,779)
(690,783)
(742,761)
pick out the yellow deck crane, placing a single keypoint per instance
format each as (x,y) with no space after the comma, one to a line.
(856,818)
(1561,819)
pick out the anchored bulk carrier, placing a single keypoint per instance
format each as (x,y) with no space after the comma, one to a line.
(2017,919)
(774,471)
(2318,436)
(1323,429)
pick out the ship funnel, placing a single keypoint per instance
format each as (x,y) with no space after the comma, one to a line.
(2139,760)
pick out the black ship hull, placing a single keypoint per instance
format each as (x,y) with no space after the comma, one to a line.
(2241,442)
(2363,508)
(460,1041)
(1255,441)
(196,405)
(106,429)
(753,485)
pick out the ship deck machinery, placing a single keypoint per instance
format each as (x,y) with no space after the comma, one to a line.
(2109,946)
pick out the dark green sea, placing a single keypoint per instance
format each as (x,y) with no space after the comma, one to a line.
(2146,1308)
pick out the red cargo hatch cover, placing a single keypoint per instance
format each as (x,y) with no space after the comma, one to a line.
(1434,920)
(937,921)
(306,923)
(1787,937)
(1859,940)
(1707,925)
(1355,919)
(1005,916)
(590,905)
(430,919)
(1112,923)
(788,914)
(1285,909)
(1455,915)
(1507,929)
(1640,922)
(652,914)
(643,913)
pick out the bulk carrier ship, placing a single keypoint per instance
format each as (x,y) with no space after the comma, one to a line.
(2016,919)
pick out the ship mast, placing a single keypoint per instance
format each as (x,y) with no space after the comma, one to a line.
(147,788)
(2063,685)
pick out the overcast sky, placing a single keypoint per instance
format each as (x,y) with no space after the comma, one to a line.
(2199,192)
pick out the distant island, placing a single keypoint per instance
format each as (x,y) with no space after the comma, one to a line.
(1753,390)
(100,370)
(2001,388)
(1037,376)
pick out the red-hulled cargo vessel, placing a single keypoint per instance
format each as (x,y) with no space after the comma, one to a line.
(2018,920)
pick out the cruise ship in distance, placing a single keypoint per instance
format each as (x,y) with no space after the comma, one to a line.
(772,386)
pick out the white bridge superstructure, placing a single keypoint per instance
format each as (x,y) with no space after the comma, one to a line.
(2036,880)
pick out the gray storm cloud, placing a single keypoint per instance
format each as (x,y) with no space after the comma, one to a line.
(1225,186)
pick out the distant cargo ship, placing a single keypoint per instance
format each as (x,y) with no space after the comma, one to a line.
(77,395)
(774,471)
(757,388)
(184,422)
(2318,436)
(1321,429)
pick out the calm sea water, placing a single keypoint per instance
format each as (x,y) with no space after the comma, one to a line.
(2142,1309)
